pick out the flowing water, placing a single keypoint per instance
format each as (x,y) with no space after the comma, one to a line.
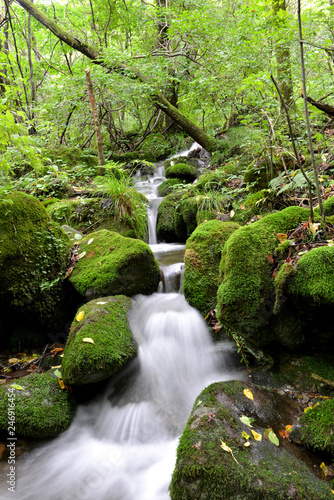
(122,445)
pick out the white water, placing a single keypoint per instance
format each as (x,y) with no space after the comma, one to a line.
(122,446)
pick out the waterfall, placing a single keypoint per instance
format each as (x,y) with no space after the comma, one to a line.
(122,445)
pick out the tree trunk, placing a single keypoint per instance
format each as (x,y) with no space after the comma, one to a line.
(206,141)
(96,120)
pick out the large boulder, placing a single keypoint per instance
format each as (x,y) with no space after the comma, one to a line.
(166,217)
(100,341)
(213,462)
(33,255)
(246,295)
(111,264)
(40,408)
(202,259)
(181,171)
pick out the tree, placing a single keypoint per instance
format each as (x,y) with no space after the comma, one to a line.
(207,142)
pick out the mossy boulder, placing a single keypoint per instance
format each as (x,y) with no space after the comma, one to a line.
(256,177)
(112,264)
(166,217)
(202,259)
(33,255)
(205,470)
(328,206)
(185,219)
(315,427)
(42,409)
(109,346)
(93,214)
(212,180)
(68,155)
(166,187)
(246,296)
(181,171)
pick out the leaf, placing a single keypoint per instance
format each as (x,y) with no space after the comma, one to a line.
(248,394)
(228,449)
(282,237)
(232,213)
(247,444)
(100,303)
(89,340)
(271,436)
(270,259)
(61,383)
(256,435)
(90,241)
(80,315)
(78,236)
(57,373)
(247,420)
(323,467)
(82,255)
(16,386)
(245,435)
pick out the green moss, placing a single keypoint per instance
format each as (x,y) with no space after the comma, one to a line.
(212,181)
(106,323)
(33,256)
(185,221)
(166,217)
(166,187)
(262,471)
(317,427)
(181,171)
(114,265)
(93,214)
(328,206)
(314,280)
(70,156)
(256,177)
(202,258)
(245,296)
(42,408)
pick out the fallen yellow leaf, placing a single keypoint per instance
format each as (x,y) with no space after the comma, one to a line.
(89,340)
(248,394)
(228,449)
(256,435)
(61,383)
(80,315)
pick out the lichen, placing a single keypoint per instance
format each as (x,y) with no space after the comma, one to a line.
(106,323)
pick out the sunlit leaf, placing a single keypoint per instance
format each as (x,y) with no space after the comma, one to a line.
(228,449)
(80,315)
(314,227)
(247,444)
(100,303)
(90,241)
(61,383)
(245,435)
(89,340)
(82,255)
(323,467)
(248,394)
(256,435)
(78,236)
(57,373)
(271,436)
(247,420)
(16,386)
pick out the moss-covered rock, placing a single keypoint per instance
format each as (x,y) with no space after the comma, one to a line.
(166,217)
(256,177)
(212,181)
(246,296)
(112,264)
(105,322)
(181,171)
(93,214)
(205,470)
(41,408)
(185,220)
(68,155)
(166,187)
(202,259)
(33,256)
(317,427)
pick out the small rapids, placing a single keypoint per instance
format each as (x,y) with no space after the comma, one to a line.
(122,446)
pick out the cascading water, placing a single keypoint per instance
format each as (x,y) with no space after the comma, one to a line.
(122,445)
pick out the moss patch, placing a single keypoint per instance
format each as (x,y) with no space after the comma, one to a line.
(202,259)
(181,171)
(114,265)
(166,217)
(317,427)
(42,408)
(246,294)
(106,323)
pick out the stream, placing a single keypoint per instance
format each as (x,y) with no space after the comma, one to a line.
(122,445)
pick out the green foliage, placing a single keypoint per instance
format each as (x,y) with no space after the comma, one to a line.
(317,427)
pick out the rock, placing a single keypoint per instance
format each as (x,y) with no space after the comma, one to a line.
(166,218)
(42,409)
(204,470)
(181,171)
(246,296)
(100,343)
(202,259)
(315,428)
(112,264)
(33,256)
